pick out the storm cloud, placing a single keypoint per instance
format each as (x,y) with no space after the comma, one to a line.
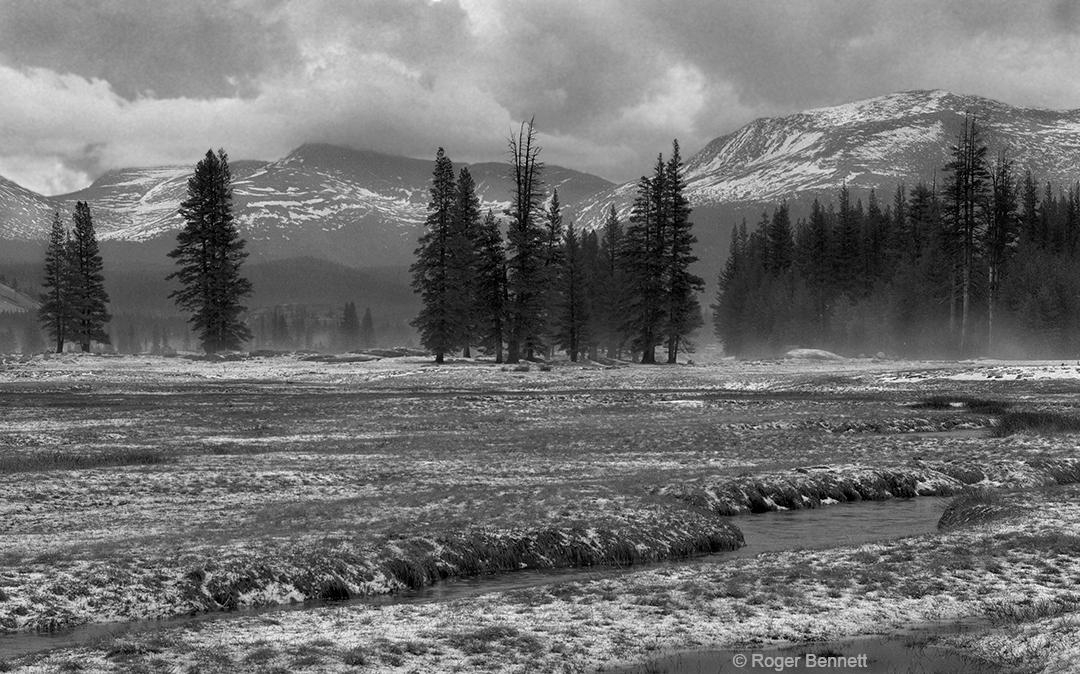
(94,85)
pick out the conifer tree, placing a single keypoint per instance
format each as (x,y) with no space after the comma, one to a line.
(463,250)
(554,253)
(442,321)
(594,265)
(1029,196)
(524,245)
(643,266)
(609,288)
(55,310)
(781,244)
(1001,235)
(966,194)
(847,249)
(350,327)
(683,314)
(571,319)
(489,302)
(367,329)
(86,283)
(209,252)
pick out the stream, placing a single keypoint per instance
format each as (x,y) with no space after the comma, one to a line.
(832,526)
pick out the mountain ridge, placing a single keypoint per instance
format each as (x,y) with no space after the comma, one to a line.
(363,207)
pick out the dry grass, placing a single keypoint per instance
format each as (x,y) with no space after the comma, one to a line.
(1038,422)
(74,460)
(975,507)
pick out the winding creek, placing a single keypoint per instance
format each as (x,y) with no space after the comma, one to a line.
(836,525)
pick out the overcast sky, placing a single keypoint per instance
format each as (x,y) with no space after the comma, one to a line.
(89,85)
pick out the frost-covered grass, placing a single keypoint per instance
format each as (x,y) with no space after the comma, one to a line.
(275,479)
(1011,573)
(1039,422)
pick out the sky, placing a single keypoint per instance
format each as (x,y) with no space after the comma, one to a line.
(92,85)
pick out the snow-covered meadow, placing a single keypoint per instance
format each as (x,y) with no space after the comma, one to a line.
(141,487)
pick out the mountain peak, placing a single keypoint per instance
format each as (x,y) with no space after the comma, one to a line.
(874,143)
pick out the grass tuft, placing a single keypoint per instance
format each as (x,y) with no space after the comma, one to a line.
(1027,611)
(58,460)
(355,657)
(975,507)
(1039,423)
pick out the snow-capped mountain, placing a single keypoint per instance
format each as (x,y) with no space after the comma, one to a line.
(870,144)
(351,206)
(364,208)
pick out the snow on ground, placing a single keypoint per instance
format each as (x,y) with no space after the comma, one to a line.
(125,478)
(1021,565)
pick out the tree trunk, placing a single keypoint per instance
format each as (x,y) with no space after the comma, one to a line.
(673,350)
(965,301)
(439,358)
(465,353)
(992,290)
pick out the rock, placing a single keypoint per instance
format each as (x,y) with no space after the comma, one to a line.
(812,354)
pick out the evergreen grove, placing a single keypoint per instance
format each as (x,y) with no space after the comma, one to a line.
(980,260)
(74,302)
(615,292)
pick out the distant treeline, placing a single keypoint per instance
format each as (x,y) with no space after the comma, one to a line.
(982,262)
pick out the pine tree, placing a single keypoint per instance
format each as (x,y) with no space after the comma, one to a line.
(683,314)
(209,252)
(350,327)
(571,319)
(643,266)
(524,244)
(554,264)
(847,249)
(966,194)
(594,265)
(1001,235)
(367,329)
(1029,196)
(489,302)
(86,283)
(815,265)
(55,310)
(441,321)
(462,268)
(609,288)
(781,244)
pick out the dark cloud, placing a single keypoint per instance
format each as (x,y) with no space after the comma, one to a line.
(194,48)
(610,82)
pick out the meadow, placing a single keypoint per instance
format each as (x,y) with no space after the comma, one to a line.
(141,488)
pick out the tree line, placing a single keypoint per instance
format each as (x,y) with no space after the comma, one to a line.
(546,286)
(982,261)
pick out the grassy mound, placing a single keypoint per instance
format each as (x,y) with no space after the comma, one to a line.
(275,572)
(820,485)
(975,507)
(1041,423)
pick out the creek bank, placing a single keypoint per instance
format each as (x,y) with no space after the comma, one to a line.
(815,486)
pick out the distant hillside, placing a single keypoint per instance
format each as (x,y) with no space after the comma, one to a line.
(13,301)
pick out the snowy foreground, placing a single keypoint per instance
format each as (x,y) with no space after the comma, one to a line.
(141,487)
